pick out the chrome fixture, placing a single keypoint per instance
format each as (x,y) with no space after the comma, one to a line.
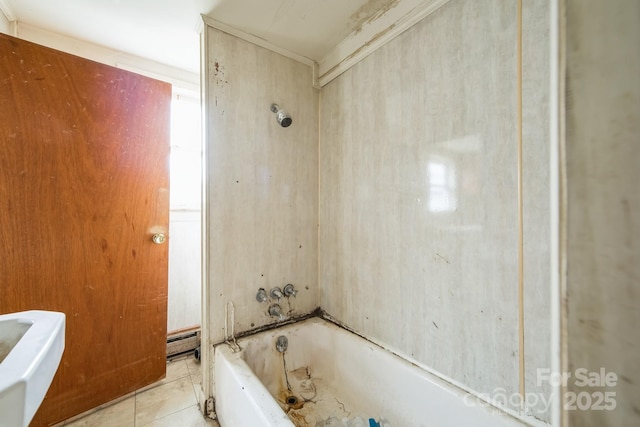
(276,311)
(282,343)
(276,293)
(289,291)
(261,296)
(284,118)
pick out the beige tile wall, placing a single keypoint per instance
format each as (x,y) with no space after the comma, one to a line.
(602,226)
(262,181)
(535,152)
(424,263)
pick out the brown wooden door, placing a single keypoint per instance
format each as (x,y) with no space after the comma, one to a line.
(84,184)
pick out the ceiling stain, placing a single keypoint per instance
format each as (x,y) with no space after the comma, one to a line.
(369,12)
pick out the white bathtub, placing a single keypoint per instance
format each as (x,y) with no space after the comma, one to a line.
(332,372)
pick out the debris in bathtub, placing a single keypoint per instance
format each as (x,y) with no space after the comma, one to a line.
(381,423)
(356,422)
(304,384)
(300,420)
(341,404)
(308,390)
(333,421)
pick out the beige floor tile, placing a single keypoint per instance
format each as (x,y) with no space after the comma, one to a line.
(197,389)
(193,365)
(121,414)
(189,417)
(164,400)
(175,369)
(195,370)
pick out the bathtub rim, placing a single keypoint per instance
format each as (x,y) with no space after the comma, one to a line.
(224,354)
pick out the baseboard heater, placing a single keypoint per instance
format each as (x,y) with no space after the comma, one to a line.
(182,342)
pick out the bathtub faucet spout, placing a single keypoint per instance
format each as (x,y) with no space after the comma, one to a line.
(282,343)
(276,311)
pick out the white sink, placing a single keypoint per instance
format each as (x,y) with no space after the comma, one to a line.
(31,345)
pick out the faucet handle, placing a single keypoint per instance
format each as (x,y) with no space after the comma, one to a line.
(276,293)
(261,296)
(289,290)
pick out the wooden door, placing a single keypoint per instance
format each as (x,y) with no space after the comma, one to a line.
(84,184)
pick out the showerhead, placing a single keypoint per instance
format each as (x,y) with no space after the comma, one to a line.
(284,119)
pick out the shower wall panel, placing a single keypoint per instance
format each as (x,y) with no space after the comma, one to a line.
(262,183)
(419,214)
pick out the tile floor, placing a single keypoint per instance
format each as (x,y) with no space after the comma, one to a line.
(170,402)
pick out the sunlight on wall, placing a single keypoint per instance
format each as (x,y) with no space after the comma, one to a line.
(186,153)
(184,243)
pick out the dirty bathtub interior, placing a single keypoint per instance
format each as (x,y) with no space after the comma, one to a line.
(327,371)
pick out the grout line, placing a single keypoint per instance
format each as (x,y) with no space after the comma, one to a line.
(561,357)
(520,215)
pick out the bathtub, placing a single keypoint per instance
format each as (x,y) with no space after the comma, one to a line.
(327,371)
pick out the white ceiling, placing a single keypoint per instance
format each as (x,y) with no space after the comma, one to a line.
(165,30)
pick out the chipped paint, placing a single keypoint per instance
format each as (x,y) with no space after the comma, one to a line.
(369,12)
(219,74)
(372,32)
(356,52)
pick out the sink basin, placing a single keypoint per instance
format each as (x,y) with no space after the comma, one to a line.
(31,345)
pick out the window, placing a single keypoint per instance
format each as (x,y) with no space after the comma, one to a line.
(186,153)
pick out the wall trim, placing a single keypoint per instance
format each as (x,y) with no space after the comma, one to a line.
(175,76)
(558,207)
(225,28)
(520,202)
(386,24)
(7,11)
(205,393)
(255,40)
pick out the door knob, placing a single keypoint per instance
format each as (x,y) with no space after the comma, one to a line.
(159,238)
